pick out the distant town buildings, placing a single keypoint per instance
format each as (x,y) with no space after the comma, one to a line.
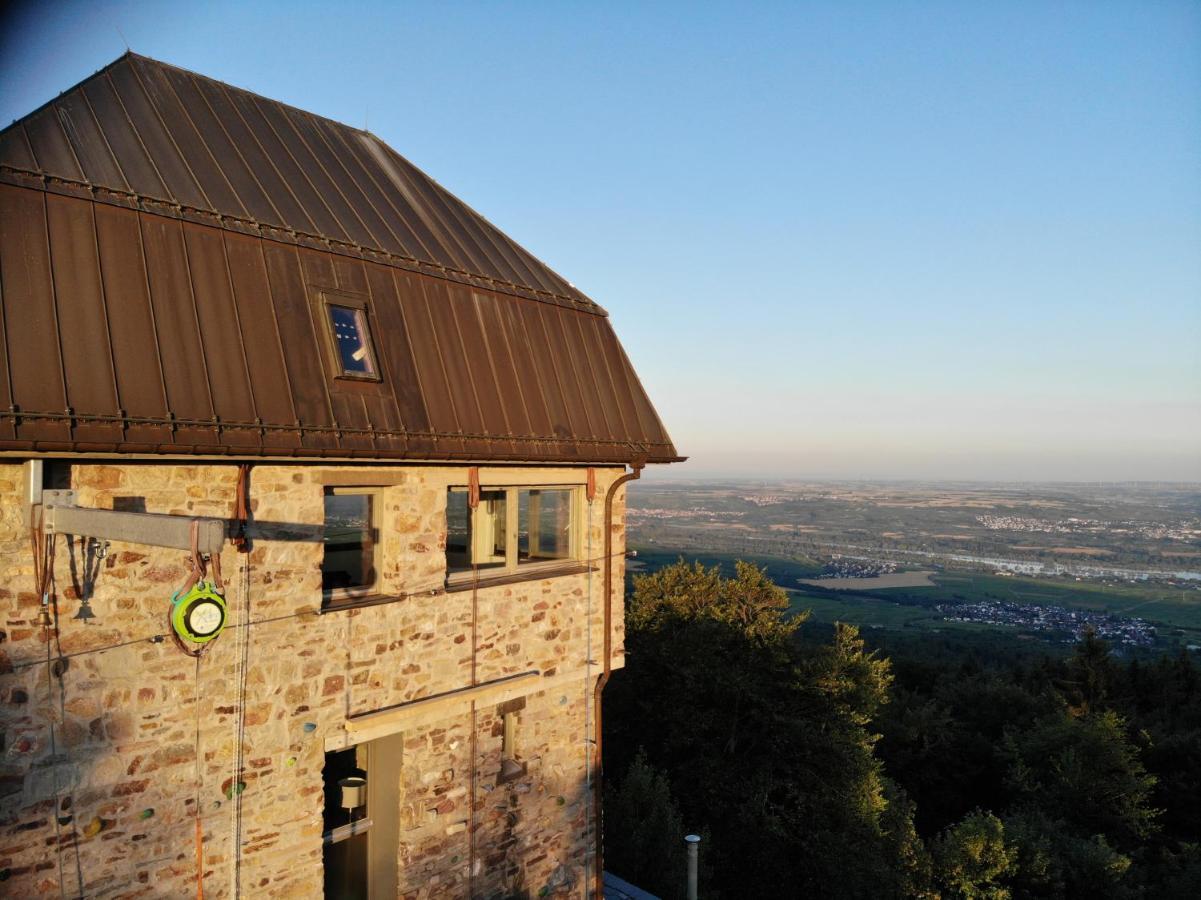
(1119,630)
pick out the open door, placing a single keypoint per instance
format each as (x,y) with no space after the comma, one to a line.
(362,820)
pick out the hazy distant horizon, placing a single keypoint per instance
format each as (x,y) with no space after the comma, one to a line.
(676,473)
(941,240)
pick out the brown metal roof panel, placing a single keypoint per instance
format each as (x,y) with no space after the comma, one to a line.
(508,256)
(286,130)
(563,418)
(594,370)
(290,212)
(222,151)
(614,389)
(8,426)
(482,257)
(120,136)
(382,164)
(394,343)
(533,392)
(488,256)
(424,197)
(87,141)
(350,274)
(517,259)
(31,327)
(350,415)
(180,346)
(224,355)
(629,390)
(276,151)
(260,336)
(50,146)
(306,376)
(656,431)
(177,119)
(181,184)
(479,366)
(364,206)
(445,337)
(577,391)
(14,148)
(504,371)
(134,347)
(82,322)
(391,204)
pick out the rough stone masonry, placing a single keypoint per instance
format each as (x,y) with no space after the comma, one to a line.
(112,738)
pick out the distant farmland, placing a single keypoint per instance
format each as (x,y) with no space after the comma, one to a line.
(876,582)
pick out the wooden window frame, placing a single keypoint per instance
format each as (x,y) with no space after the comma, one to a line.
(329,298)
(332,598)
(513,569)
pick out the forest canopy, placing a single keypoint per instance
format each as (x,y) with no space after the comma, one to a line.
(813,766)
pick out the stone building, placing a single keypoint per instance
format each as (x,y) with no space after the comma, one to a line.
(237,333)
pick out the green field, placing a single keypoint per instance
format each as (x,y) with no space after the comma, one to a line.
(1177,614)
(1173,608)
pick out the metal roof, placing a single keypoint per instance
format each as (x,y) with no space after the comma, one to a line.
(167,243)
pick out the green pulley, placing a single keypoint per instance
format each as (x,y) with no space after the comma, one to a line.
(199,614)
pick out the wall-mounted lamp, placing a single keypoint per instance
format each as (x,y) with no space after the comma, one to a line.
(354,792)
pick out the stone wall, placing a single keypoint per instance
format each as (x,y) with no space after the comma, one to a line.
(99,774)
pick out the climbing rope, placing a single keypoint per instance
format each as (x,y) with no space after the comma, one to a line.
(199,784)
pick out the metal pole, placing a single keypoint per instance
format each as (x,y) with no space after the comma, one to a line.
(694,842)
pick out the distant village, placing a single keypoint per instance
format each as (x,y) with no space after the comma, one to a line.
(1155,531)
(1118,630)
(840,567)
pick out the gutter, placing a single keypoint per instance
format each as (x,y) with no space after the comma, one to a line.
(597,766)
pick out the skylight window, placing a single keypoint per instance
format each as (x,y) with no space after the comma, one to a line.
(352,341)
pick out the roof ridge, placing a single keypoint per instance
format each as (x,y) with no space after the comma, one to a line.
(234,87)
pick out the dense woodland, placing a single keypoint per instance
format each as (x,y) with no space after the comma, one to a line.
(815,767)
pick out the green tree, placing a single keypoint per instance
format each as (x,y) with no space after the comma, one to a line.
(1085,770)
(973,860)
(646,846)
(766,741)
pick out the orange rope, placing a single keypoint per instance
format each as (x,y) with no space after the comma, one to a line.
(199,858)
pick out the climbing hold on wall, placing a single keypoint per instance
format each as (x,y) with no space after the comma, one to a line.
(231,789)
(146,813)
(291,761)
(94,827)
(310,727)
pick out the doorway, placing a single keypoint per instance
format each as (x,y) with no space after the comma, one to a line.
(362,820)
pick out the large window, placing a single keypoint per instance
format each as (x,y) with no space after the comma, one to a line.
(511,530)
(351,535)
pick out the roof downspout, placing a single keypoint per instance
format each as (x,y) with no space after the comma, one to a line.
(597,769)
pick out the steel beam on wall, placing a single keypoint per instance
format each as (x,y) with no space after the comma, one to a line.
(135,528)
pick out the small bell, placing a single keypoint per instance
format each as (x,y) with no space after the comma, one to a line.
(85,611)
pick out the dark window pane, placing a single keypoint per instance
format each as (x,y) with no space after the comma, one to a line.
(458,530)
(544,524)
(349,541)
(350,336)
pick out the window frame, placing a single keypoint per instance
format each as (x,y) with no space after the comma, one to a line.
(513,567)
(335,597)
(358,302)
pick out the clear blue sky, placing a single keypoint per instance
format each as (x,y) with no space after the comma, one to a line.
(903,239)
